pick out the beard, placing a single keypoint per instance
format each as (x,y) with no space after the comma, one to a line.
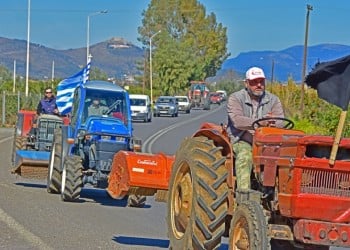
(256,93)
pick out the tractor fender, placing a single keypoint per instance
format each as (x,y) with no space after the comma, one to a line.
(214,132)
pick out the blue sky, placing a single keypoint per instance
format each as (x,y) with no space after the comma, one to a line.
(253,25)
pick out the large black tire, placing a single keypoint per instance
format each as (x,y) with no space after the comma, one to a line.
(54,173)
(72,180)
(197,201)
(248,228)
(136,200)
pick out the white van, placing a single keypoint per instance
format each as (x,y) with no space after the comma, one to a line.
(140,106)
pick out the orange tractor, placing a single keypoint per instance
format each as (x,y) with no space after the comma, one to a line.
(300,184)
(297,198)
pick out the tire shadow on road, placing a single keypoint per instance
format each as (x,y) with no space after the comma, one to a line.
(149,242)
(94,195)
(139,241)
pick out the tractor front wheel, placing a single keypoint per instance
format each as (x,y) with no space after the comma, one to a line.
(72,180)
(248,228)
(19,143)
(54,174)
(197,201)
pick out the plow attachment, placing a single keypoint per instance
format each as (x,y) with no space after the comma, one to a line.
(31,164)
(141,174)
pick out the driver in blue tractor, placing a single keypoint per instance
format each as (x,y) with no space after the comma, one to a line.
(96,107)
(243,108)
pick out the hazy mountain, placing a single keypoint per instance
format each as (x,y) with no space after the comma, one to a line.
(117,57)
(288,62)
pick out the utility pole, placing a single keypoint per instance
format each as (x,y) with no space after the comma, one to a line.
(150,63)
(14,77)
(28,43)
(52,73)
(272,72)
(309,8)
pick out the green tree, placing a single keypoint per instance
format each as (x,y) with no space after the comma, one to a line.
(191,45)
(5,74)
(97,74)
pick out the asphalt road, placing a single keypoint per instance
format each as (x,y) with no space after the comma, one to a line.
(31,218)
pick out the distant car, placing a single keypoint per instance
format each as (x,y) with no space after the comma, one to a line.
(166,105)
(184,103)
(140,106)
(215,98)
(223,94)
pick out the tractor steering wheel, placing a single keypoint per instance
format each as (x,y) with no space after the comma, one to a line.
(111,107)
(289,123)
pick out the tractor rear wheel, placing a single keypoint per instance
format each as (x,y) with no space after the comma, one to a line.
(249,228)
(54,175)
(136,200)
(19,143)
(72,180)
(197,201)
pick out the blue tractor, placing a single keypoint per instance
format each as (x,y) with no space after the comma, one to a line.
(83,151)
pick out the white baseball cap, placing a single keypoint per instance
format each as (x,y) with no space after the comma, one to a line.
(254,73)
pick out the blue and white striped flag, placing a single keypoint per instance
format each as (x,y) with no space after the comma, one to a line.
(65,89)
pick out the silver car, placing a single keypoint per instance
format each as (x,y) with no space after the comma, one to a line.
(166,105)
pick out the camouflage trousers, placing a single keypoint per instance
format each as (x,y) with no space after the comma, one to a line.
(243,163)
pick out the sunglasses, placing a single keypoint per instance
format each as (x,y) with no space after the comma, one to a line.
(255,82)
(48,92)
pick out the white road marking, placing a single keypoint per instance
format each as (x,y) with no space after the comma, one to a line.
(17,227)
(14,225)
(6,139)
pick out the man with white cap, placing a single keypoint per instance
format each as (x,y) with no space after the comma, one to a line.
(244,107)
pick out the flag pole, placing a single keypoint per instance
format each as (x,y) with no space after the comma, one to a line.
(337,137)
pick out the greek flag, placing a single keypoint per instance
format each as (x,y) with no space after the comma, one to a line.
(65,89)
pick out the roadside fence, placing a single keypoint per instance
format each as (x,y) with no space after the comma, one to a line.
(11,103)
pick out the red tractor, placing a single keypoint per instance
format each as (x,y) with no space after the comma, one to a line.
(199,95)
(32,142)
(300,184)
(297,200)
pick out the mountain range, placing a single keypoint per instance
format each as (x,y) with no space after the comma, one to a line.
(118,57)
(287,63)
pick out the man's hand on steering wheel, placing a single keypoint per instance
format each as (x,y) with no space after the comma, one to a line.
(271,122)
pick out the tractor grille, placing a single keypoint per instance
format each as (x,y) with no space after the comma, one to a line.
(47,129)
(323,182)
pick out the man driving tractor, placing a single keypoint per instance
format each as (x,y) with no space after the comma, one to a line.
(243,108)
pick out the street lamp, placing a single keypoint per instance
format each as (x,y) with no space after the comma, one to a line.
(88,32)
(150,63)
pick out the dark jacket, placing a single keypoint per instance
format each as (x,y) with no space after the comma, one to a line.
(47,106)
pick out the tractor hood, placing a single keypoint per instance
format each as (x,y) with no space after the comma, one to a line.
(106,125)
